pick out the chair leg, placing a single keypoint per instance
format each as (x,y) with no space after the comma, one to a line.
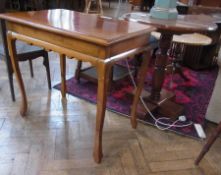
(110,80)
(78,71)
(11,84)
(180,72)
(31,68)
(10,76)
(132,8)
(209,143)
(138,62)
(47,66)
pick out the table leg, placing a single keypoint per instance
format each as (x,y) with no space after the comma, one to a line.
(103,71)
(141,79)
(12,52)
(63,74)
(160,64)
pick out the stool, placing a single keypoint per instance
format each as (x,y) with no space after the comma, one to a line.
(178,45)
(99,9)
(209,143)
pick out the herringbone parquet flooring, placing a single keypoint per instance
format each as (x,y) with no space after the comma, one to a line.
(56,138)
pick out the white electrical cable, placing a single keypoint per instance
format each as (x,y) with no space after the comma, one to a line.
(157,121)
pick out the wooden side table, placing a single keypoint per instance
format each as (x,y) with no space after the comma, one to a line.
(167,28)
(85,37)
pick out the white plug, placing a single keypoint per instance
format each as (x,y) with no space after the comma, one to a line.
(199,130)
(182,118)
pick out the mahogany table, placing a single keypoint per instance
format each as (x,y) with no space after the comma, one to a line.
(183,24)
(100,41)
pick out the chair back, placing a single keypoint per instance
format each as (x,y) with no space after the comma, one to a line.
(2,6)
(3,38)
(35,5)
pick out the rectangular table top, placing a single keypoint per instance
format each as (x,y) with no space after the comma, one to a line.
(92,28)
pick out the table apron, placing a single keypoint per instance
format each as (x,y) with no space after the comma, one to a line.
(79,45)
(75,54)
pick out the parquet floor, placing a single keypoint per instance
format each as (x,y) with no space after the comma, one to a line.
(56,138)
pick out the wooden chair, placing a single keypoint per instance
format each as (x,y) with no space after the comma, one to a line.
(25,52)
(209,143)
(35,4)
(98,10)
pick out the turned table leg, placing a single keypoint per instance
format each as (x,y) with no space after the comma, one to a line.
(103,71)
(12,52)
(160,64)
(141,79)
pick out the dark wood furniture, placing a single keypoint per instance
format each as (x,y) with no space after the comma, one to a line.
(85,37)
(202,57)
(24,5)
(211,3)
(24,51)
(209,143)
(178,47)
(144,5)
(183,24)
(77,5)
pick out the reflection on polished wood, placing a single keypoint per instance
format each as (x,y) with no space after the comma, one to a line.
(183,24)
(77,25)
(85,37)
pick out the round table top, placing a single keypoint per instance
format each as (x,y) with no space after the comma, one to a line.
(217,17)
(183,24)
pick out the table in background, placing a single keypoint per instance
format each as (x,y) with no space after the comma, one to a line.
(183,24)
(90,38)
